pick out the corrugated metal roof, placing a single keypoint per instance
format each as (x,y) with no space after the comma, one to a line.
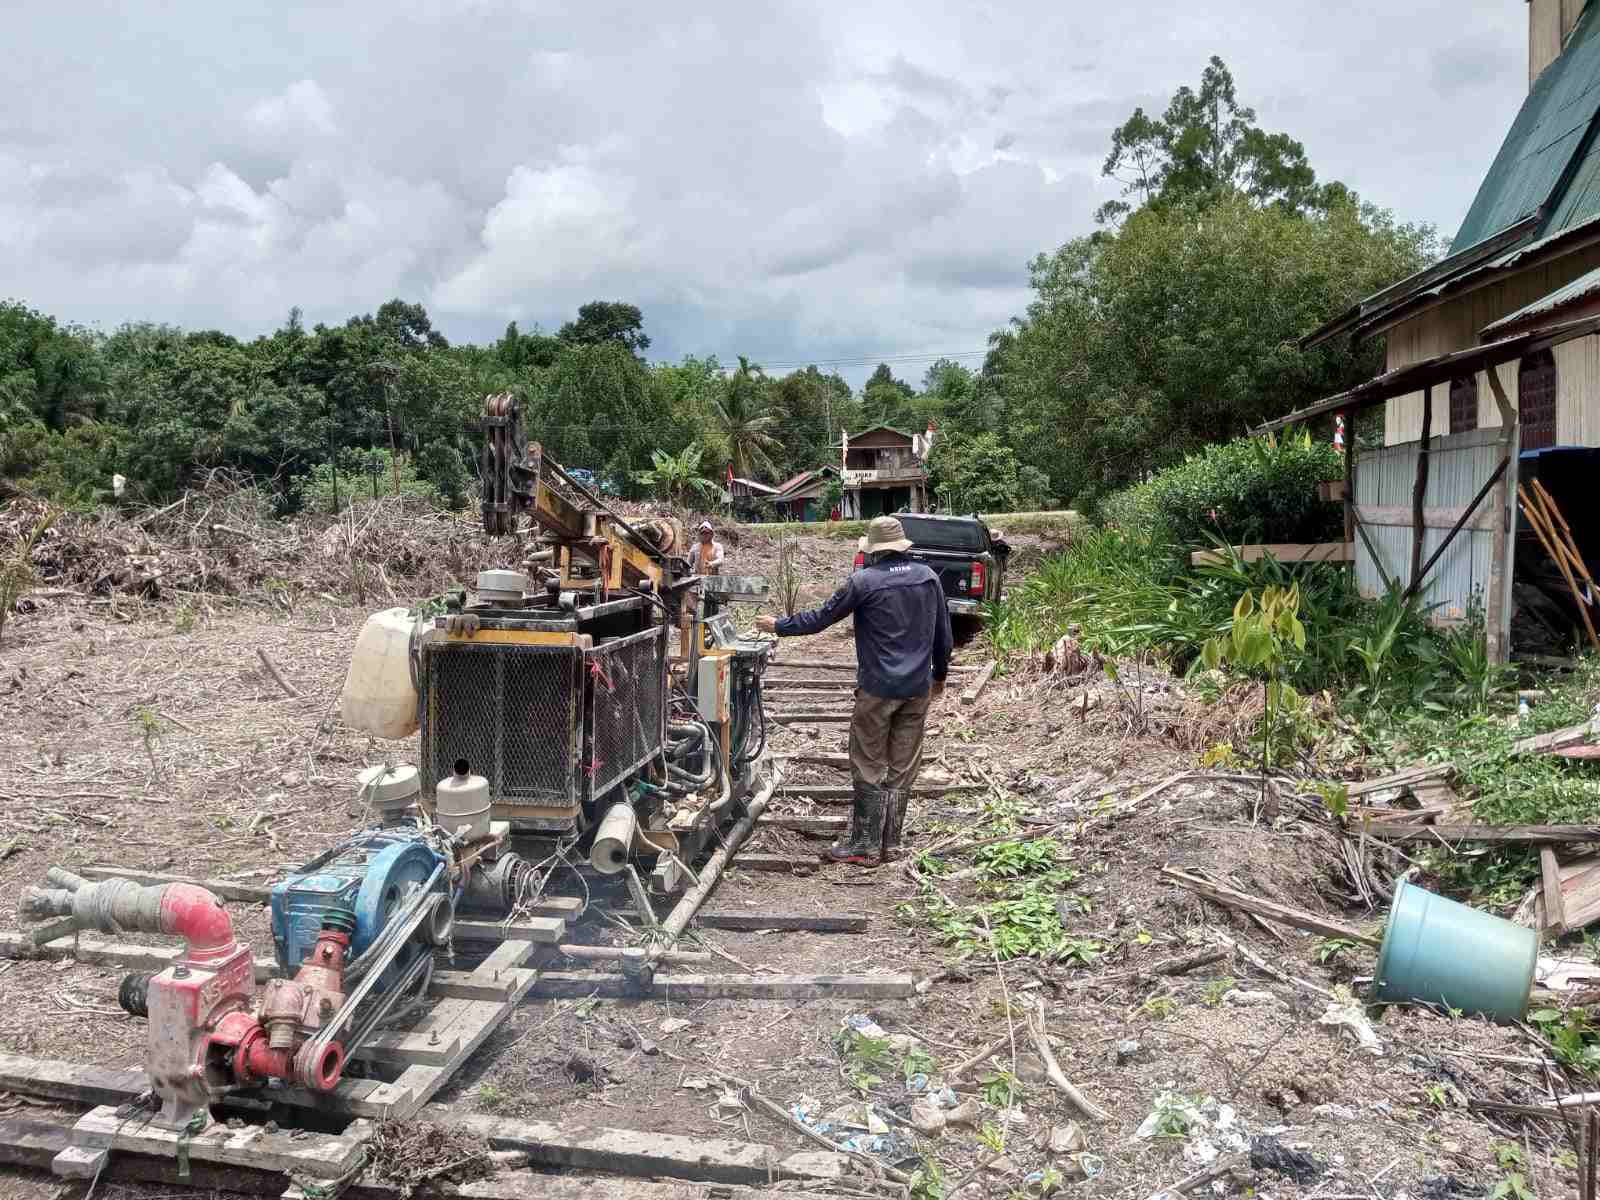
(1544,140)
(1580,288)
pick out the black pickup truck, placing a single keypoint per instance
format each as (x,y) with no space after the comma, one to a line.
(968,557)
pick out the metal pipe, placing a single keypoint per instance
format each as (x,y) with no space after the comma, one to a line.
(118,905)
(710,875)
(613,841)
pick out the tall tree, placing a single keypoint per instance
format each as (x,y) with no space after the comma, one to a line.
(740,420)
(607,321)
(1206,145)
(886,400)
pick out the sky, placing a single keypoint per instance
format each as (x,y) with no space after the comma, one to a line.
(827,181)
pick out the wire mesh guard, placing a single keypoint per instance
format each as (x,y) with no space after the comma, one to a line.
(510,711)
(625,706)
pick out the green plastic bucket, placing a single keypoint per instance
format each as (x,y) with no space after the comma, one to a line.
(1436,951)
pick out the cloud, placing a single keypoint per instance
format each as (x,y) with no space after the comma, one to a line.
(794,179)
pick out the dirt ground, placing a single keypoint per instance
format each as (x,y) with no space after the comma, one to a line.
(133,738)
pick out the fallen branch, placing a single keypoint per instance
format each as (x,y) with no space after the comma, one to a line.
(277,675)
(748,1094)
(1281,913)
(1191,1183)
(1052,1068)
(1266,968)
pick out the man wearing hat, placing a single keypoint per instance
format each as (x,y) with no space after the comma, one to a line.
(708,554)
(903,645)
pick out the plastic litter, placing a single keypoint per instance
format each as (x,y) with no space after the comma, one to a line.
(1351,1016)
(1267,1153)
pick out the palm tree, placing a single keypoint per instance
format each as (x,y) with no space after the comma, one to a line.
(737,419)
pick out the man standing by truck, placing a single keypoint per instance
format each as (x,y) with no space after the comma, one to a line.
(903,645)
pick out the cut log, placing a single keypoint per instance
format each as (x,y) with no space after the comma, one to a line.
(77,1083)
(277,675)
(781,863)
(975,689)
(1502,835)
(1281,913)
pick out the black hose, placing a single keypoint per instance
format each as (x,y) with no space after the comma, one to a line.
(134,994)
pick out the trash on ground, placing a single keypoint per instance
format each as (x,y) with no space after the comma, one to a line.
(1352,1017)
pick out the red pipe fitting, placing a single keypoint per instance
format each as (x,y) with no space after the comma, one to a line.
(194,914)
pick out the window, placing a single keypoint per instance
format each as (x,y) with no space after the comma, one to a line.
(1464,404)
(1536,400)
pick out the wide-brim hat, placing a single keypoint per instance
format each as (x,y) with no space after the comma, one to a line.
(886,533)
(706,527)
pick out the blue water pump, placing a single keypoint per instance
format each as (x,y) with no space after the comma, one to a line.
(373,874)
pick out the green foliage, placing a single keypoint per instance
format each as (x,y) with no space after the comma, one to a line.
(677,477)
(1256,489)
(1330,948)
(927,1181)
(1000,1089)
(362,475)
(1211,995)
(16,568)
(1009,860)
(1574,1036)
(1175,1114)
(978,473)
(1267,638)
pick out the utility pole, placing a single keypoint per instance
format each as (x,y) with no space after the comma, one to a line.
(385,366)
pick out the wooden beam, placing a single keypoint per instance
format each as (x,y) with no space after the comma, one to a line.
(1419,489)
(1281,913)
(1393,516)
(1502,556)
(632,1152)
(779,863)
(1284,552)
(76,1083)
(1349,496)
(610,985)
(1557,739)
(1501,835)
(810,718)
(1555,909)
(823,825)
(975,689)
(782,921)
(835,792)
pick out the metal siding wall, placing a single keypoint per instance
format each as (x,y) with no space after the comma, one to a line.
(1457,466)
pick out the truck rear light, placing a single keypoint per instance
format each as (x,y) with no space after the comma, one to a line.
(979,577)
(861,559)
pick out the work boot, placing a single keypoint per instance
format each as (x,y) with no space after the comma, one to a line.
(894,819)
(864,847)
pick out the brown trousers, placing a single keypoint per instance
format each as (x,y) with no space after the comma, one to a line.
(886,739)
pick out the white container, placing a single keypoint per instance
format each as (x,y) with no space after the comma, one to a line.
(461,800)
(378,696)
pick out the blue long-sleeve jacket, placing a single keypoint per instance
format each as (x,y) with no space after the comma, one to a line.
(902,626)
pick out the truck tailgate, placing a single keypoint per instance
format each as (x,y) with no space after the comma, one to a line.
(954,571)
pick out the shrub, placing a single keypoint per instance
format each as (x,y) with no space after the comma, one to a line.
(1250,490)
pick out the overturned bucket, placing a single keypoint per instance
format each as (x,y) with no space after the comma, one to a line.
(1436,951)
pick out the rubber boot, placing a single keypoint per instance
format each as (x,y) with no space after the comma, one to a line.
(894,820)
(864,847)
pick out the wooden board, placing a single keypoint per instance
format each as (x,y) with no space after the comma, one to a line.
(1502,835)
(548,930)
(837,792)
(781,921)
(1271,910)
(775,863)
(975,688)
(631,1152)
(556,984)
(1402,517)
(319,1155)
(1286,552)
(1559,739)
(97,951)
(816,825)
(1555,911)
(77,1083)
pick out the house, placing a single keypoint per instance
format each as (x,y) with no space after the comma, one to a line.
(803,497)
(884,471)
(748,495)
(1492,353)
(1527,255)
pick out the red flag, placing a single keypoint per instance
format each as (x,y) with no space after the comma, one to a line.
(730,474)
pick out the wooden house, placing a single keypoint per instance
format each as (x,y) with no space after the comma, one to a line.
(1492,353)
(884,471)
(803,497)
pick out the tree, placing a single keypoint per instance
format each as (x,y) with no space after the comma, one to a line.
(974,473)
(607,321)
(677,477)
(1206,145)
(808,409)
(886,400)
(1180,331)
(740,421)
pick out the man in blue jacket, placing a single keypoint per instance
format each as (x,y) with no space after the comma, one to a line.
(903,644)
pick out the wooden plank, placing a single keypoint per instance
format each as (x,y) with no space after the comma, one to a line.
(432,1041)
(781,921)
(79,1083)
(1502,835)
(975,689)
(1396,517)
(549,930)
(567,984)
(95,951)
(1559,739)
(243,893)
(1281,913)
(816,825)
(1555,911)
(781,863)
(1284,552)
(810,718)
(322,1156)
(631,1152)
(835,792)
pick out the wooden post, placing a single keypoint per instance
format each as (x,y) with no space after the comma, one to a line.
(1350,476)
(1503,554)
(1419,489)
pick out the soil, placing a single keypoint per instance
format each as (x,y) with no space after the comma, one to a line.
(134,737)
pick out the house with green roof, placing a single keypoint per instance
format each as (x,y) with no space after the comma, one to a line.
(1526,256)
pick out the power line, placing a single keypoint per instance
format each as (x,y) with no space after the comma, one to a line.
(871,359)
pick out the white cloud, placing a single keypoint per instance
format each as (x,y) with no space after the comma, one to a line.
(302,109)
